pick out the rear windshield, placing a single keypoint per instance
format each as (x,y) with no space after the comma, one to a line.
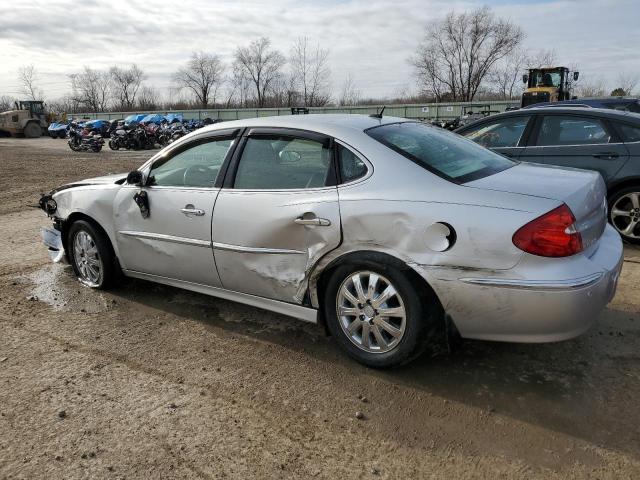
(444,153)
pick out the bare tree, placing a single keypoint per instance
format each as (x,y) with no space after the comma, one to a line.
(627,82)
(459,51)
(310,72)
(349,95)
(261,65)
(148,98)
(507,74)
(541,58)
(592,88)
(203,76)
(28,78)
(125,83)
(6,103)
(90,88)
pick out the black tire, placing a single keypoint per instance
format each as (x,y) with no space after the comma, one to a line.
(113,145)
(110,269)
(617,199)
(32,130)
(424,321)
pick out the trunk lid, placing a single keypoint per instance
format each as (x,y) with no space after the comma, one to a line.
(583,191)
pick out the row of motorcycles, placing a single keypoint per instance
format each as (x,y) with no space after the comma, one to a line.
(137,132)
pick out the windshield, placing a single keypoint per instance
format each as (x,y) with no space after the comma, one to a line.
(546,79)
(446,154)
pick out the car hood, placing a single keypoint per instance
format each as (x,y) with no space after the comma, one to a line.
(583,191)
(104,180)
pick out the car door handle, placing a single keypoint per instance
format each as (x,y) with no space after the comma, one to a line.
(189,210)
(606,155)
(307,219)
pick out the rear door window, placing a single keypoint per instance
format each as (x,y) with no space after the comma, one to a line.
(282,162)
(629,133)
(500,133)
(559,130)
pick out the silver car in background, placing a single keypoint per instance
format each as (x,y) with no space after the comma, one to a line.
(390,231)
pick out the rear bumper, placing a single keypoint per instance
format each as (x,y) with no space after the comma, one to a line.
(521,305)
(52,239)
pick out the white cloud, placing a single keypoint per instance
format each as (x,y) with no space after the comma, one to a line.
(371,39)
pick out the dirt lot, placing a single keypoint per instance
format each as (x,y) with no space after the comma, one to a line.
(149,381)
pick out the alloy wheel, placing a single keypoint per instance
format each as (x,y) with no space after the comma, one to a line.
(87,259)
(371,312)
(625,215)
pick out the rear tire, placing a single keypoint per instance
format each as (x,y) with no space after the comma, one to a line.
(32,130)
(624,213)
(91,256)
(413,318)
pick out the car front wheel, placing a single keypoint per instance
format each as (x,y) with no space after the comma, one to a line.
(624,213)
(90,255)
(377,315)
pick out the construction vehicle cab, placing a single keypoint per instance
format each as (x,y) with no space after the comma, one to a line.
(551,84)
(28,119)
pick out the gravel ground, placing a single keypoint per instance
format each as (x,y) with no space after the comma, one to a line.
(148,381)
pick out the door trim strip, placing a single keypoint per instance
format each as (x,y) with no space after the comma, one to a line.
(242,249)
(207,244)
(167,238)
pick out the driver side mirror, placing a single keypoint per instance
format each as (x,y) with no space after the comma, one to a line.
(575,76)
(525,78)
(135,178)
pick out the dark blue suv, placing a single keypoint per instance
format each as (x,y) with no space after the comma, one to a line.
(613,103)
(607,141)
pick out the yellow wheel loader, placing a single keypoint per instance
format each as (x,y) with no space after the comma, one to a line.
(552,84)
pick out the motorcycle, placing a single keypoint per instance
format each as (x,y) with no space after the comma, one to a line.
(84,140)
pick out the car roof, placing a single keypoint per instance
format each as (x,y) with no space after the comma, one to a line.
(597,112)
(589,101)
(322,123)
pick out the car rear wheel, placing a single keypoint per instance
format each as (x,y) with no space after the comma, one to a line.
(377,315)
(90,255)
(624,213)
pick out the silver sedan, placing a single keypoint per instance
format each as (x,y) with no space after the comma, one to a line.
(392,233)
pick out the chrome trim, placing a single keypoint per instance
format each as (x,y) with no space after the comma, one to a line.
(239,248)
(205,243)
(167,238)
(289,309)
(570,284)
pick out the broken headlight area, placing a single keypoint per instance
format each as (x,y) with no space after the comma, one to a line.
(48,204)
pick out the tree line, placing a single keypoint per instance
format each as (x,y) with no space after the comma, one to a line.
(473,55)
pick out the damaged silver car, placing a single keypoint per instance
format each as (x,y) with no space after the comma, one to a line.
(389,231)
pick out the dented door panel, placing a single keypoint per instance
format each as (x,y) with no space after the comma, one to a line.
(265,241)
(169,243)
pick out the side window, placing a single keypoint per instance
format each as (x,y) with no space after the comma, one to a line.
(571,130)
(502,133)
(283,163)
(629,133)
(352,167)
(197,166)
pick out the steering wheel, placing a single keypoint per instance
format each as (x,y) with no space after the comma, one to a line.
(197,176)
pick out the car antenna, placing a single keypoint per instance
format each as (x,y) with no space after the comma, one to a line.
(378,114)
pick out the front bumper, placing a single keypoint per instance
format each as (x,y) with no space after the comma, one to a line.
(518,306)
(52,239)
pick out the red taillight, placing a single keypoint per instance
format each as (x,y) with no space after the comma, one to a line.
(551,235)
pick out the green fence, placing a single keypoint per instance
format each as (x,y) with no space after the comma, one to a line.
(425,111)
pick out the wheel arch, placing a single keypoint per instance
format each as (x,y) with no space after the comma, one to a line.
(74,217)
(616,187)
(323,269)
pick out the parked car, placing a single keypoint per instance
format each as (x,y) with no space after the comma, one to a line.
(606,141)
(614,103)
(390,231)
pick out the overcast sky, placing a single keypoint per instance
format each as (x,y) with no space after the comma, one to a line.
(370,39)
